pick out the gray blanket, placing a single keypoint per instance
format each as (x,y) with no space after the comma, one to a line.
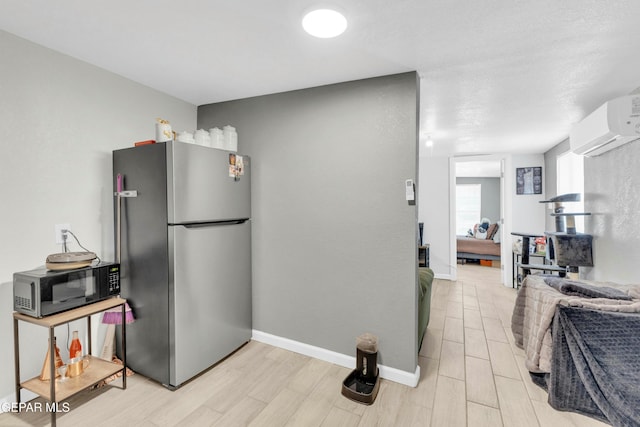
(581,289)
(535,308)
(596,367)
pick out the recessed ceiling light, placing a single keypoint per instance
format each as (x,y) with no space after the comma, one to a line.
(324,23)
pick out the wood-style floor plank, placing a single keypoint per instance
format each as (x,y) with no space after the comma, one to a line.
(471,374)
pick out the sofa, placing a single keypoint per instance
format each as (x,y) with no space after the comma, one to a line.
(425,276)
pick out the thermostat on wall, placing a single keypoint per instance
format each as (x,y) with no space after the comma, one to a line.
(409,190)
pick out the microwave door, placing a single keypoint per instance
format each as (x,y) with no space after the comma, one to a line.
(78,285)
(62,294)
(63,298)
(77,290)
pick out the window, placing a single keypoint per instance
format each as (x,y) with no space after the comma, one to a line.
(570,170)
(468,201)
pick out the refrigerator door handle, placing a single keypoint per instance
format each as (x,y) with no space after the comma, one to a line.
(214,223)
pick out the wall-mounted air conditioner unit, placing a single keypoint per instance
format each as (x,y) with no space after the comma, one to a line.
(614,123)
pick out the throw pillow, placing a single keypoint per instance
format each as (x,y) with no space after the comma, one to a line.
(491,231)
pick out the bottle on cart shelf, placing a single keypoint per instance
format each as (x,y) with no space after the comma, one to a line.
(76,347)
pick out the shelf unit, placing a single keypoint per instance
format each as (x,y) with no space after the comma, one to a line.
(98,369)
(516,259)
(521,260)
(423,255)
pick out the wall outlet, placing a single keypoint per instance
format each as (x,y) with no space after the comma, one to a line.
(59,233)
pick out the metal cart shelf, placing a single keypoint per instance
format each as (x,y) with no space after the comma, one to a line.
(55,390)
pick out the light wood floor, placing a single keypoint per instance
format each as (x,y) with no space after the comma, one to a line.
(471,375)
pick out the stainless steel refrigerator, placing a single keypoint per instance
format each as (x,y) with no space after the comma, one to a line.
(185,257)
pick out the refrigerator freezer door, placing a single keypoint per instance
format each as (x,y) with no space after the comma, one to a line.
(210,295)
(200,188)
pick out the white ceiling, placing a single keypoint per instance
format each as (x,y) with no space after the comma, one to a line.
(496,75)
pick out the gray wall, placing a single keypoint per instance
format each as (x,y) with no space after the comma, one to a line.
(334,240)
(490,193)
(611,181)
(60,120)
(611,195)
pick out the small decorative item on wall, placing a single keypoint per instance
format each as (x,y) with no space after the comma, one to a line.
(529,180)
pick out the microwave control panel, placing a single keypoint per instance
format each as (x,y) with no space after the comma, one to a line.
(114,280)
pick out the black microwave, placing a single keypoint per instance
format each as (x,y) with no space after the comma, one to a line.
(41,292)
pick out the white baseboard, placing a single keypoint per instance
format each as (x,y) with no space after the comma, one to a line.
(443,276)
(7,401)
(403,377)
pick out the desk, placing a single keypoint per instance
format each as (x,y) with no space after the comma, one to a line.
(53,389)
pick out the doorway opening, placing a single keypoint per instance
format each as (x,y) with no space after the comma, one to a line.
(478,206)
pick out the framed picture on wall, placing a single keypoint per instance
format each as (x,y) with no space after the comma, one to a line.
(529,180)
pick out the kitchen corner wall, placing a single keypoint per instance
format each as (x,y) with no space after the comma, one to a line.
(334,240)
(61,118)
